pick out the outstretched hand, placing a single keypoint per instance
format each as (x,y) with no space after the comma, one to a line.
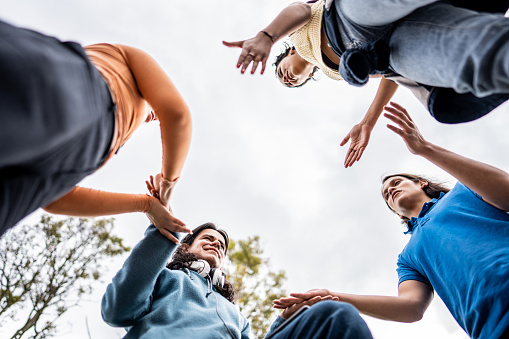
(297,298)
(164,220)
(359,136)
(255,50)
(407,130)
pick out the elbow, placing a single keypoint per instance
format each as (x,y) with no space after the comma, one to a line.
(114,314)
(176,115)
(412,317)
(413,314)
(52,208)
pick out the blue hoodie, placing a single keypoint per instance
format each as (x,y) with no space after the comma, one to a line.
(151,301)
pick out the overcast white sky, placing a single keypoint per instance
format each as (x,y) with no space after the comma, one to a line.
(265,160)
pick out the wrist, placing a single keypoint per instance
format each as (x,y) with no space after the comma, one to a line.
(145,203)
(426,149)
(272,37)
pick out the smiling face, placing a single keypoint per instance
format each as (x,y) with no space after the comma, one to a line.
(209,245)
(293,70)
(404,196)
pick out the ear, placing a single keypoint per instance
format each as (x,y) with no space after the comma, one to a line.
(424,183)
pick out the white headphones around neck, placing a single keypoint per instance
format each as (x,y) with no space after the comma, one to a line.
(202,267)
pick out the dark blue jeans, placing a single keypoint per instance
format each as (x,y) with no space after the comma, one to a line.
(56,120)
(437,44)
(327,320)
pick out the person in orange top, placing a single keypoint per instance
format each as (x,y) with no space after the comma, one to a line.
(66,110)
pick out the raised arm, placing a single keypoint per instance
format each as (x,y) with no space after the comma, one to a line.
(87,202)
(491,183)
(129,296)
(360,133)
(412,301)
(257,49)
(169,106)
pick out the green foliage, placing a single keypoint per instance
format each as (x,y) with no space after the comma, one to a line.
(43,268)
(249,271)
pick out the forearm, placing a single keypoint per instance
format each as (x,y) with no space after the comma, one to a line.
(176,138)
(87,202)
(489,182)
(289,20)
(385,92)
(383,307)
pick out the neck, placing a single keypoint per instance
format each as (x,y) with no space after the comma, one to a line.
(416,209)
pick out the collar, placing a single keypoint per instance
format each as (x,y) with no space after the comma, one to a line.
(425,208)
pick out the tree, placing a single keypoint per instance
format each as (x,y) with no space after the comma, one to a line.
(249,271)
(46,268)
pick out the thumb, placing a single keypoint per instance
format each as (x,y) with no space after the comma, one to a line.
(238,44)
(345,140)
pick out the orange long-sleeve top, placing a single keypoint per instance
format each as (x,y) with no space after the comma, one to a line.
(132,110)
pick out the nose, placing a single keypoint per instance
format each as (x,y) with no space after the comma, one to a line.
(216,243)
(391,190)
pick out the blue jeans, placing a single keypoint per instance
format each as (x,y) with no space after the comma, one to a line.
(437,44)
(56,120)
(327,320)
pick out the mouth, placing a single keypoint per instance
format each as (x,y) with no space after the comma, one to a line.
(215,251)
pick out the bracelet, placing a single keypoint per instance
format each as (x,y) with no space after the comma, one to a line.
(271,37)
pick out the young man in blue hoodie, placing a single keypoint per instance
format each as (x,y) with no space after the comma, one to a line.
(189,297)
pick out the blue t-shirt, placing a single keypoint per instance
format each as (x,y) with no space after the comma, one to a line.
(460,246)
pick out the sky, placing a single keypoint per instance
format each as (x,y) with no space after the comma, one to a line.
(264,160)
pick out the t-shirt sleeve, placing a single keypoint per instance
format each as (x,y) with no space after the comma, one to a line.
(406,272)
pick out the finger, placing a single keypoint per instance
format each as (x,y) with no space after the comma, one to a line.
(302,296)
(264,63)
(402,114)
(398,106)
(245,63)
(181,229)
(395,130)
(177,222)
(350,158)
(359,153)
(168,235)
(279,307)
(345,140)
(255,65)
(238,44)
(287,303)
(398,120)
(313,300)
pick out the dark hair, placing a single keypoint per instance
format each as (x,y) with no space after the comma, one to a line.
(181,257)
(286,50)
(432,190)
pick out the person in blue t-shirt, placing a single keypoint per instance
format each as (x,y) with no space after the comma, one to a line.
(459,245)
